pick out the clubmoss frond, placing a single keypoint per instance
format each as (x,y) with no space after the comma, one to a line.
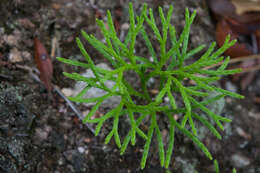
(121,55)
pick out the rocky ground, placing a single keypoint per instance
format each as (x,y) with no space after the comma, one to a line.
(38,134)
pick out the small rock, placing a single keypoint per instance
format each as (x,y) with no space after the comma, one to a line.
(81,149)
(107,4)
(186,165)
(67,92)
(96,92)
(166,99)
(10,40)
(231,87)
(16,147)
(41,134)
(218,106)
(254,115)
(57,140)
(125,26)
(87,140)
(150,82)
(15,56)
(26,55)
(242,133)
(2,30)
(239,160)
(76,159)
(25,22)
(61,161)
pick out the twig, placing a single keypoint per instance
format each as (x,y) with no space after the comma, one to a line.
(251,69)
(240,59)
(30,71)
(6,77)
(54,43)
(78,113)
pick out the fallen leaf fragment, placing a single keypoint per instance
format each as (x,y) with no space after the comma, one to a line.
(239,49)
(257,99)
(44,64)
(243,6)
(241,20)
(226,9)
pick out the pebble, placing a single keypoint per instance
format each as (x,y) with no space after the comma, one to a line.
(242,133)
(239,160)
(166,99)
(26,55)
(111,102)
(15,56)
(125,26)
(67,92)
(81,149)
(254,115)
(40,134)
(10,40)
(107,4)
(231,87)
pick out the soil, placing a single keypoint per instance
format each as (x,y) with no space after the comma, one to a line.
(39,134)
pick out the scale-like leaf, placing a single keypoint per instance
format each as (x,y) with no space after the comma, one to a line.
(171,141)
(147,146)
(194,139)
(159,140)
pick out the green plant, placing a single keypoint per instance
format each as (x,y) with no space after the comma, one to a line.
(168,66)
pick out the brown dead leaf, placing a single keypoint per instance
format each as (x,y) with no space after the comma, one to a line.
(244,6)
(44,64)
(226,9)
(257,99)
(239,49)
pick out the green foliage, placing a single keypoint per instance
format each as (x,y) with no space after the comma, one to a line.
(169,67)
